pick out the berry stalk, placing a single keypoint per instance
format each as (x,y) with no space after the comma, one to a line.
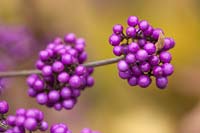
(34,71)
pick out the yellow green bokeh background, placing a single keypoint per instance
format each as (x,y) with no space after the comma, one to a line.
(112,106)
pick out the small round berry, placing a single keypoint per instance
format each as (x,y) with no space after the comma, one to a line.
(118,29)
(68,103)
(145,67)
(42,98)
(156,33)
(150,48)
(130,58)
(30,124)
(117,50)
(31,80)
(165,57)
(115,40)
(161,82)
(44,55)
(66,93)
(58,106)
(21,112)
(168,69)
(82,57)
(132,21)
(20,120)
(58,66)
(80,47)
(43,126)
(47,71)
(39,64)
(38,85)
(124,75)
(149,31)
(141,55)
(80,70)
(133,47)
(70,38)
(130,32)
(154,60)
(157,71)
(63,77)
(4,107)
(11,120)
(141,42)
(90,81)
(136,70)
(132,81)
(143,25)
(53,96)
(67,59)
(123,66)
(144,81)
(75,81)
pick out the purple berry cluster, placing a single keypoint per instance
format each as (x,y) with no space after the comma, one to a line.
(62,128)
(30,119)
(4,108)
(144,57)
(63,74)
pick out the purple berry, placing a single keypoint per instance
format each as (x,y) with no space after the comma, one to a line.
(117,50)
(132,21)
(30,124)
(141,55)
(133,47)
(75,81)
(168,69)
(118,29)
(123,66)
(63,77)
(4,107)
(161,82)
(144,81)
(143,25)
(132,81)
(130,32)
(150,48)
(57,66)
(115,40)
(130,58)
(165,57)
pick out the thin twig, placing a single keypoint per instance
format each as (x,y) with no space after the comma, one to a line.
(34,71)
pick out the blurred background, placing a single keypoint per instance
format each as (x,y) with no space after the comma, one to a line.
(111,106)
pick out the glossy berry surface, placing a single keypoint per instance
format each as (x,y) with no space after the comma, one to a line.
(144,55)
(63,75)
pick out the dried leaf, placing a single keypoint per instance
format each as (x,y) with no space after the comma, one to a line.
(160,43)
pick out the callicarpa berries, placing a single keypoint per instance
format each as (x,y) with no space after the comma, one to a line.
(63,74)
(26,119)
(145,52)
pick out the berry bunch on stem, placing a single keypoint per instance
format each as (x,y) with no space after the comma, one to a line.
(63,75)
(145,51)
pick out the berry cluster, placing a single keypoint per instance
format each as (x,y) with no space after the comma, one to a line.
(30,119)
(4,107)
(62,128)
(63,74)
(145,53)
